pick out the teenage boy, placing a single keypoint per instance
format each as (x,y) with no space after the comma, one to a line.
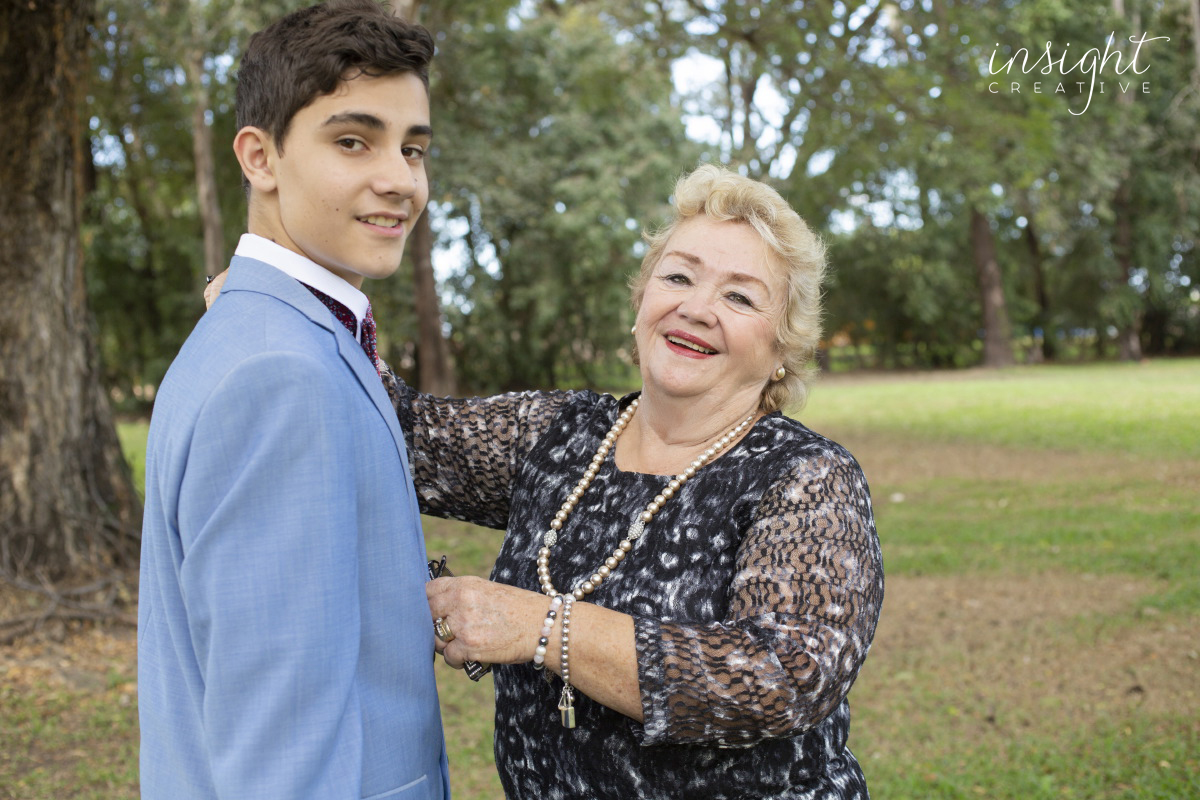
(285,649)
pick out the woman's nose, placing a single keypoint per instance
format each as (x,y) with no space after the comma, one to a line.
(698,306)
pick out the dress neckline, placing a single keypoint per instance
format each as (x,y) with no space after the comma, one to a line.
(623,403)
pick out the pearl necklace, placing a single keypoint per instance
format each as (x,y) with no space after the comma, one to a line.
(550,538)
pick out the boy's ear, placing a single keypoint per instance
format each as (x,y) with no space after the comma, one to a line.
(255,150)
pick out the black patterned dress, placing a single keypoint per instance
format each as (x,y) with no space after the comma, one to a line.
(754,592)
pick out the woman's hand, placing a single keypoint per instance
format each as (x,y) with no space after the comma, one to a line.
(492,623)
(499,624)
(213,289)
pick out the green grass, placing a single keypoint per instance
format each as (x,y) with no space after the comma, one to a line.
(1123,503)
(1149,409)
(1124,506)
(1145,759)
(133,437)
(1058,523)
(57,742)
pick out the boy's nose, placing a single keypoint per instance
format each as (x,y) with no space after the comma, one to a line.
(398,177)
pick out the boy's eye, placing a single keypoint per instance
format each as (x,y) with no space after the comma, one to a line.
(350,144)
(413,152)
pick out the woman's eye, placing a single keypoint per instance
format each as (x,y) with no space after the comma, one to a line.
(741,299)
(677,279)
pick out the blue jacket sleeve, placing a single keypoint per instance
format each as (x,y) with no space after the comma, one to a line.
(269,576)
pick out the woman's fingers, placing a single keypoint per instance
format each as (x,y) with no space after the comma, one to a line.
(484,621)
(451,660)
(213,289)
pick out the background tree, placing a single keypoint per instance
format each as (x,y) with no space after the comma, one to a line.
(560,144)
(873,118)
(66,499)
(168,204)
(434,368)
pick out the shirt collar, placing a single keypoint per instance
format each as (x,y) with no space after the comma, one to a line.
(304,270)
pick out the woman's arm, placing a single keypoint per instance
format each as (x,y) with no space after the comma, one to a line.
(804,605)
(803,608)
(464,453)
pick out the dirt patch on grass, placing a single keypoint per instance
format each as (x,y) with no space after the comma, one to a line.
(988,655)
(86,659)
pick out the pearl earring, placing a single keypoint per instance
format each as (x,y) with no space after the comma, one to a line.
(633,330)
(780,374)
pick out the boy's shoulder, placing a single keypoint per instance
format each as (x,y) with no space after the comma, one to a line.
(252,328)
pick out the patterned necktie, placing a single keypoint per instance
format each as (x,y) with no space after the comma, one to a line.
(368,338)
(347,318)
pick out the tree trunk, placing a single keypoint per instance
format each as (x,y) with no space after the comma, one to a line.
(1129,331)
(66,498)
(1045,348)
(997,333)
(1196,38)
(434,375)
(206,176)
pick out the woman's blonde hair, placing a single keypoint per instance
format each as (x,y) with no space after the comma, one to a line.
(798,258)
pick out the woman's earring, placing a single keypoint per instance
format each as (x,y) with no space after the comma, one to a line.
(633,330)
(780,374)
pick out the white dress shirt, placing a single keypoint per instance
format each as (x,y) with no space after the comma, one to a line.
(306,271)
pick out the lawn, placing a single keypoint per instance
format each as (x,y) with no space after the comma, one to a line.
(1039,637)
(1147,409)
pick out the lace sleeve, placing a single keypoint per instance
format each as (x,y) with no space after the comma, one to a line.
(803,607)
(464,453)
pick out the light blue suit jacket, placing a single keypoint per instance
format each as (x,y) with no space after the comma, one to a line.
(285,648)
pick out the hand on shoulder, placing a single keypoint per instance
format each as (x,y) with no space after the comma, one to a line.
(213,289)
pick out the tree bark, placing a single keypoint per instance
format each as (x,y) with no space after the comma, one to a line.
(434,373)
(67,502)
(997,333)
(1046,348)
(1129,332)
(202,151)
(1195,7)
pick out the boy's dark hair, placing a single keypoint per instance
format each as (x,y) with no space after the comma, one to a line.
(304,55)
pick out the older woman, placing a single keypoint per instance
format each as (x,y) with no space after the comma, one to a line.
(690,581)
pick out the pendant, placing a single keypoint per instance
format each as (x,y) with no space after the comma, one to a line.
(566,707)
(635,530)
(550,538)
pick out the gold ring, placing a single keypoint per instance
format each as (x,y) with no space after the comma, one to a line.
(441,629)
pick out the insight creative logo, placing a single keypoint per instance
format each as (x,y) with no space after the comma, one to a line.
(1092,65)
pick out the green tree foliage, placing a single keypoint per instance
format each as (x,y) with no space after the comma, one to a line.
(143,231)
(1048,176)
(1113,209)
(555,145)
(559,134)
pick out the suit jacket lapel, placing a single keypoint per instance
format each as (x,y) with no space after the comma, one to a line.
(248,274)
(354,356)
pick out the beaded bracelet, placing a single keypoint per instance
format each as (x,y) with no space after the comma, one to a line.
(539,653)
(566,701)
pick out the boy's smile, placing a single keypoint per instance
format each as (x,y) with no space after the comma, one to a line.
(349,182)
